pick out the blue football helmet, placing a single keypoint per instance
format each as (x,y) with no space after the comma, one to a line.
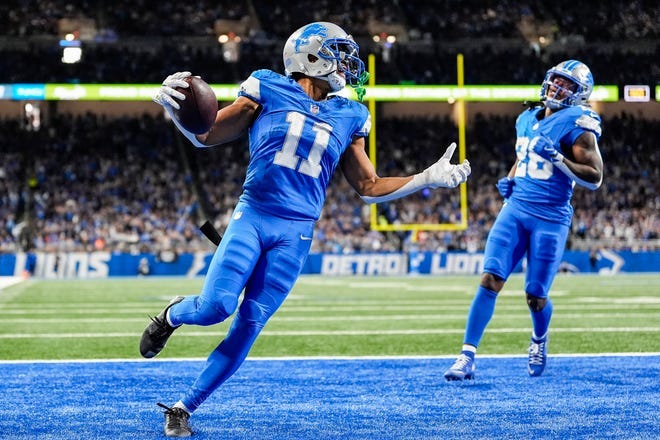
(576,72)
(320,49)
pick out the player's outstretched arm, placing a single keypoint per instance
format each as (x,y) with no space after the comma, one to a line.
(360,173)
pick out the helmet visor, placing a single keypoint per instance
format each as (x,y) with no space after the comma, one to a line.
(346,53)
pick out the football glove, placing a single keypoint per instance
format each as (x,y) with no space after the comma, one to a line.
(544,147)
(505,186)
(440,174)
(444,174)
(167,93)
(167,96)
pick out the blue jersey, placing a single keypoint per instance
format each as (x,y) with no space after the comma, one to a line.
(540,188)
(295,145)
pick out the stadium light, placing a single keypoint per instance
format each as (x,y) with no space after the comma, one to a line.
(386,41)
(231,49)
(32,114)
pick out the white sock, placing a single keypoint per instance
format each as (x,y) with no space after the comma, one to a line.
(536,338)
(169,322)
(180,404)
(470,348)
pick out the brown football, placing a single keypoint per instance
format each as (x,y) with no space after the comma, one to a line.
(198,110)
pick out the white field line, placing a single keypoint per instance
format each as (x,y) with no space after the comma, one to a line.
(316,304)
(315,358)
(336,332)
(350,318)
(9,281)
(21,286)
(90,307)
(385,283)
(441,306)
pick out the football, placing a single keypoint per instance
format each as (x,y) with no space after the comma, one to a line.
(198,110)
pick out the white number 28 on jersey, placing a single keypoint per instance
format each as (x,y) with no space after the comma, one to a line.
(287,156)
(530,163)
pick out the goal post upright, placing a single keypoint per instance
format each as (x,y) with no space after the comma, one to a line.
(462,146)
(371,63)
(461,117)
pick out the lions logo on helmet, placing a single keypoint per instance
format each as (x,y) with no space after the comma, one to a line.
(576,72)
(309,31)
(323,50)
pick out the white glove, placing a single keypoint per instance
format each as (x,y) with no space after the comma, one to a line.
(167,93)
(442,173)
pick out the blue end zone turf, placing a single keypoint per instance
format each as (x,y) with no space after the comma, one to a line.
(576,398)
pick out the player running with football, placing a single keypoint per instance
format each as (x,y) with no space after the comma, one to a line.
(298,135)
(556,147)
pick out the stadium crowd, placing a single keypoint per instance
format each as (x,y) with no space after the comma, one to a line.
(128,185)
(142,42)
(636,19)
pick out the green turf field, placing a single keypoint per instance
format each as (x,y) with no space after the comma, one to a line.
(323,316)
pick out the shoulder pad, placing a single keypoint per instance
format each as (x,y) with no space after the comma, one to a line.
(251,87)
(257,82)
(265,73)
(589,123)
(366,127)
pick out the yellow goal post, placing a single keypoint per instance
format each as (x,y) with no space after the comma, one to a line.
(377,225)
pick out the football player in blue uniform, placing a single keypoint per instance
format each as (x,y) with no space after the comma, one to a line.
(556,147)
(298,134)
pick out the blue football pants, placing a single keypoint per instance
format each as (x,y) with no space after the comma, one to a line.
(513,235)
(261,254)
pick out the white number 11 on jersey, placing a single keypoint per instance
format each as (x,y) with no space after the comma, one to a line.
(287,156)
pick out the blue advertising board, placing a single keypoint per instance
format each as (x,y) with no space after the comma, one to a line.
(106,264)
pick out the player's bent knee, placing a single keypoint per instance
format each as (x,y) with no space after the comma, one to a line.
(214,312)
(492,282)
(535,303)
(536,289)
(253,314)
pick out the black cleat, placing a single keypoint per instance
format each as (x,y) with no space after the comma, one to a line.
(157,333)
(176,422)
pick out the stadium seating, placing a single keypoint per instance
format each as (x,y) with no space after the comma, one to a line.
(503,44)
(79,168)
(119,184)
